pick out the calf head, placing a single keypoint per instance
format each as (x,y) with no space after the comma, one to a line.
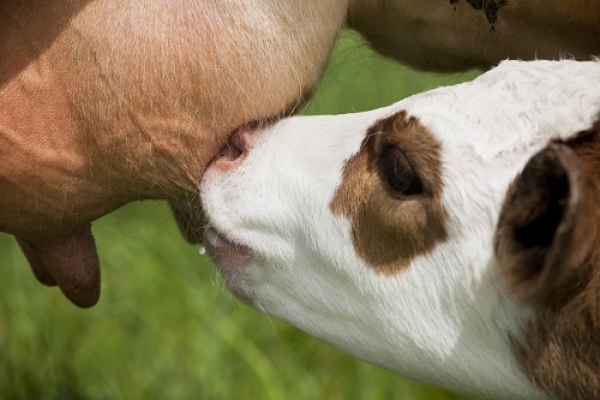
(449,237)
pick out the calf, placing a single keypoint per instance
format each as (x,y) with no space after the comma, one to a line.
(451,237)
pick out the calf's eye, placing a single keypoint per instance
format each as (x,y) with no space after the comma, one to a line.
(398,173)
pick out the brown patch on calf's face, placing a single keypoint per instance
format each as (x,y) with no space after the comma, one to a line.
(548,248)
(391,192)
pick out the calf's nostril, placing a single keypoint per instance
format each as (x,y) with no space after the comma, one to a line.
(236,145)
(230,152)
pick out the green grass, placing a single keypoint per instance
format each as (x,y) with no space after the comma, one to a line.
(165,327)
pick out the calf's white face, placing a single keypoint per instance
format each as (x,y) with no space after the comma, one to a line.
(377,231)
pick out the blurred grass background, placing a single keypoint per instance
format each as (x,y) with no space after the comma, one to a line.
(165,327)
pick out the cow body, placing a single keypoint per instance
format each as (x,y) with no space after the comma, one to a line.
(441,36)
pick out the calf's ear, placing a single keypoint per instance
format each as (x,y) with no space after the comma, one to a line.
(544,236)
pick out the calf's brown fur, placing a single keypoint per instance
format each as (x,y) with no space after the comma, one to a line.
(380,220)
(548,244)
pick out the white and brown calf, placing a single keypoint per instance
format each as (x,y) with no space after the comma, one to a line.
(451,237)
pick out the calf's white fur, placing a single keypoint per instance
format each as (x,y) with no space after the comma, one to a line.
(377,232)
